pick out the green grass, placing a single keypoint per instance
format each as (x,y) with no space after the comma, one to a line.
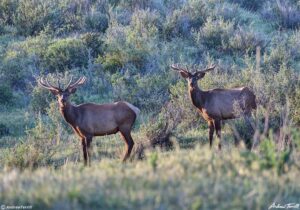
(196,178)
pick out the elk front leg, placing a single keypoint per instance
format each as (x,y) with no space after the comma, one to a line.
(211,132)
(84,150)
(218,132)
(126,136)
(89,150)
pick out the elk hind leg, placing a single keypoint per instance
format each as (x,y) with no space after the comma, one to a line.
(250,130)
(126,136)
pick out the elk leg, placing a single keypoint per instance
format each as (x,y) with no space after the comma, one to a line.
(211,133)
(250,126)
(126,136)
(84,150)
(89,150)
(218,132)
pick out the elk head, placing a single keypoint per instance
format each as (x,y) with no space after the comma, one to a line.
(62,94)
(192,78)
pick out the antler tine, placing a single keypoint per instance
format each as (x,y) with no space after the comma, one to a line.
(69,83)
(80,81)
(52,86)
(206,69)
(209,68)
(46,84)
(41,82)
(194,68)
(177,68)
(58,83)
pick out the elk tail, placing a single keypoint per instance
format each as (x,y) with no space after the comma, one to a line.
(133,108)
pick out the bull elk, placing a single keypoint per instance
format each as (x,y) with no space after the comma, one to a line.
(89,119)
(217,104)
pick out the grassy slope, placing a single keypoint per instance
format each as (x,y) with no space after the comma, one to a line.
(181,179)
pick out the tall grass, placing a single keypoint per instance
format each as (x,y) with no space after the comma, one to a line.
(180,179)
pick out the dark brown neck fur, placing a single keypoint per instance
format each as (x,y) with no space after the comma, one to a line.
(197,96)
(69,113)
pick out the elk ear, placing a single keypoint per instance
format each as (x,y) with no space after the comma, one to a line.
(72,90)
(184,74)
(54,92)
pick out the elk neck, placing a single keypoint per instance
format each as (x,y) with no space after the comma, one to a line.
(196,95)
(68,112)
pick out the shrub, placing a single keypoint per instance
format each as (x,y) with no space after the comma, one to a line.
(7,10)
(96,21)
(244,41)
(4,130)
(32,16)
(277,56)
(283,14)
(152,91)
(215,34)
(159,129)
(65,54)
(93,41)
(133,44)
(55,17)
(224,36)
(30,154)
(6,96)
(272,158)
(295,105)
(251,5)
(191,16)
(12,68)
(40,99)
(293,44)
(288,13)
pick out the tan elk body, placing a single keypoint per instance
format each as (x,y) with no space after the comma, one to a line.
(89,119)
(217,104)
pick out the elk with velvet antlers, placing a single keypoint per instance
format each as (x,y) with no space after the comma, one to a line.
(217,104)
(89,119)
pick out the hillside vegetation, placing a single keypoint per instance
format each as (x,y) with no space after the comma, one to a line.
(125,49)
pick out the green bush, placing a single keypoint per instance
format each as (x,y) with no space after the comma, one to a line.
(56,17)
(65,54)
(7,11)
(182,21)
(6,96)
(215,34)
(295,105)
(93,42)
(96,21)
(251,5)
(4,130)
(32,16)
(288,12)
(225,37)
(16,68)
(277,56)
(29,154)
(271,158)
(40,99)
(133,44)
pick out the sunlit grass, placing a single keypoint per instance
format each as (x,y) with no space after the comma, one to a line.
(196,178)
